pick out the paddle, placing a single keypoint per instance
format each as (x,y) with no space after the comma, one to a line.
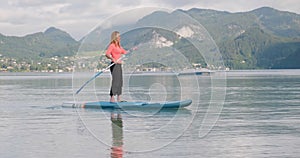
(100,72)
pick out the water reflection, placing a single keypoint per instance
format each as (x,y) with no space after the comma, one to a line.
(117,134)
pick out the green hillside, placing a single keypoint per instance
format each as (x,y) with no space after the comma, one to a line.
(262,38)
(52,42)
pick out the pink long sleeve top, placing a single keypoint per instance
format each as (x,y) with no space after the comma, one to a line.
(115,51)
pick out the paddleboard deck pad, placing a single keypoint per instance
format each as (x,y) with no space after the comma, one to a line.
(126,105)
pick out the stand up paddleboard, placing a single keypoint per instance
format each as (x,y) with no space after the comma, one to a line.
(126,105)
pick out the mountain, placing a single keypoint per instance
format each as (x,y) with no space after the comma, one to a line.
(52,42)
(279,23)
(262,38)
(259,39)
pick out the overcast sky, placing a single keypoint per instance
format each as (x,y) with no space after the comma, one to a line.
(79,17)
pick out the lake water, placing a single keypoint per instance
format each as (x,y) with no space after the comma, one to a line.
(260,116)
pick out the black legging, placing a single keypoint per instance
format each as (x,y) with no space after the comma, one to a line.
(117,80)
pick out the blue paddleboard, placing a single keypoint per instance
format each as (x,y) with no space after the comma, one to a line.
(126,105)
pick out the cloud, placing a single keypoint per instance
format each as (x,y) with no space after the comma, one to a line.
(78,17)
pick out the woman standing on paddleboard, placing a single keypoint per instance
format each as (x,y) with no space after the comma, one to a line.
(114,53)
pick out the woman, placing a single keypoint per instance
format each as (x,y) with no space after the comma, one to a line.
(114,53)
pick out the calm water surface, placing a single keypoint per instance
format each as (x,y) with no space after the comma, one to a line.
(260,117)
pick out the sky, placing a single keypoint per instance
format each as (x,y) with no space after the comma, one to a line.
(79,17)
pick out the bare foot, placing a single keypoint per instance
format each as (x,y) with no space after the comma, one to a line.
(119,98)
(112,99)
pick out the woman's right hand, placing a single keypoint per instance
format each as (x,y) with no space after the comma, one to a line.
(114,60)
(117,61)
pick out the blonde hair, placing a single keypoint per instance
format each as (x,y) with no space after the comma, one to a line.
(114,38)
